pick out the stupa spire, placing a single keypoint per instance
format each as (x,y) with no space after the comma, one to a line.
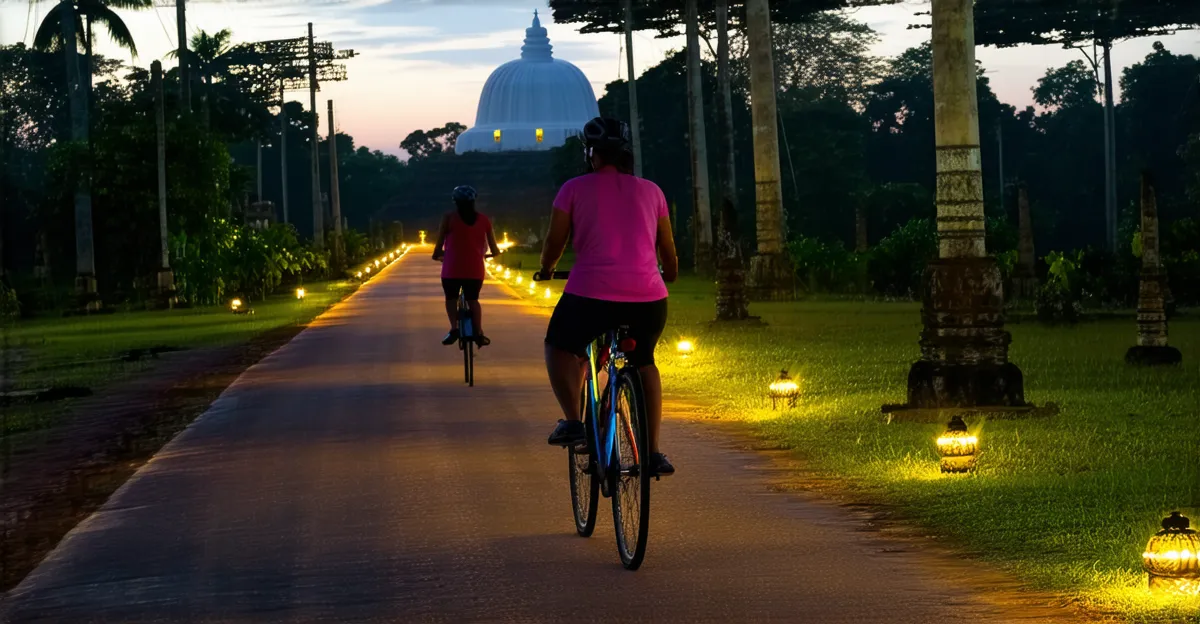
(537,44)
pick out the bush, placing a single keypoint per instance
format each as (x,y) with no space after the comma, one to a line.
(10,306)
(1057,299)
(897,264)
(825,267)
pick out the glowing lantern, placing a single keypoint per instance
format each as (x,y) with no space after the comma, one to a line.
(368,270)
(496,135)
(300,293)
(377,263)
(237,307)
(358,275)
(540,135)
(1172,557)
(784,389)
(505,244)
(519,280)
(422,237)
(685,348)
(547,293)
(958,447)
(532,289)
(507,274)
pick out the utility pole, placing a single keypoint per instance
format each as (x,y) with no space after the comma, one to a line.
(185,76)
(166,279)
(335,198)
(85,255)
(318,209)
(1110,152)
(635,122)
(283,167)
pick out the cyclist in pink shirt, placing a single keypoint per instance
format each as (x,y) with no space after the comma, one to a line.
(464,240)
(620,228)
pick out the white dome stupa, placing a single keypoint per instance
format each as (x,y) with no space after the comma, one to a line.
(533,103)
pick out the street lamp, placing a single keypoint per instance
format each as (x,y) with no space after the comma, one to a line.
(784,389)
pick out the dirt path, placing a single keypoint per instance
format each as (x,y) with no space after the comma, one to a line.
(351,476)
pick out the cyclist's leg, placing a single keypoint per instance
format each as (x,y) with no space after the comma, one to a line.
(646,322)
(575,323)
(450,288)
(471,289)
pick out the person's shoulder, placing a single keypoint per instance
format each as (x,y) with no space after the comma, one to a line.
(648,186)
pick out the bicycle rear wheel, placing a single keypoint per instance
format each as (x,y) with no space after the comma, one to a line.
(585,487)
(631,498)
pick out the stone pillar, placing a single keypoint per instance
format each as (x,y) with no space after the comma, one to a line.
(964,348)
(1025,282)
(1151,348)
(771,274)
(731,271)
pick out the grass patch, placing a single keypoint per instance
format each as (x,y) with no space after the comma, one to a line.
(81,351)
(1065,502)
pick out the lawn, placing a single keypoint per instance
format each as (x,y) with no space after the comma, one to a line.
(85,351)
(1065,502)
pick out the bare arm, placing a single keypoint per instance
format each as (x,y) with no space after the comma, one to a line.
(491,238)
(666,250)
(556,239)
(439,249)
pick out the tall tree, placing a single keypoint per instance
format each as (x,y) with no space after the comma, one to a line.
(701,199)
(1073,23)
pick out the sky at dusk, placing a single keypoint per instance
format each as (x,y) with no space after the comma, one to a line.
(423,62)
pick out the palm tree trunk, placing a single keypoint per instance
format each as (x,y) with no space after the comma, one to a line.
(89,63)
(964,347)
(635,123)
(1110,151)
(731,275)
(85,263)
(771,274)
(702,211)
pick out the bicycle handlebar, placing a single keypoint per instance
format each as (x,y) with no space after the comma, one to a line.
(556,275)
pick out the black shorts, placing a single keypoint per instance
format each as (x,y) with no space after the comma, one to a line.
(577,321)
(470,287)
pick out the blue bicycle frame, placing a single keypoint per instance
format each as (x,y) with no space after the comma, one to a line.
(603,439)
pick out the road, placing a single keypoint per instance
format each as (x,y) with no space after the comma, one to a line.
(351,476)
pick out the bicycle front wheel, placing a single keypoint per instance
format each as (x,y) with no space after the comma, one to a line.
(585,487)
(631,497)
(470,363)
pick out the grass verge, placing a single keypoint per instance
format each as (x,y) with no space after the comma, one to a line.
(1066,503)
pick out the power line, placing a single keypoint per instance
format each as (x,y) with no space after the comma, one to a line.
(164,27)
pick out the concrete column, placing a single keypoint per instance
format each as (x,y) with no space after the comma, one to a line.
(1025,282)
(771,274)
(964,348)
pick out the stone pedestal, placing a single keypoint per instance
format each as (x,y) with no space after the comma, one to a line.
(772,278)
(165,296)
(1151,348)
(964,347)
(86,294)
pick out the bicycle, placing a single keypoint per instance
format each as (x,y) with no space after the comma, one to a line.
(466,339)
(613,459)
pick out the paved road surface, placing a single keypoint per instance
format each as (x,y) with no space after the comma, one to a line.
(351,476)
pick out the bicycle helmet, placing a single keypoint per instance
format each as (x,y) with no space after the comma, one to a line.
(605,132)
(464,193)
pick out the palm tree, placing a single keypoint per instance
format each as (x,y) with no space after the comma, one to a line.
(49,37)
(210,56)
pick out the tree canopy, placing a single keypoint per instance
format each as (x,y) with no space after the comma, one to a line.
(1005,23)
(666,16)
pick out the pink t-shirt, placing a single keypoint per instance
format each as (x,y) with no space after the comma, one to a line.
(614,224)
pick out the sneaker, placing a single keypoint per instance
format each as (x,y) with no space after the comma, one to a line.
(451,337)
(660,466)
(482,341)
(567,433)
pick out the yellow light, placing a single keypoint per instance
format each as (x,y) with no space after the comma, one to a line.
(1172,558)
(507,274)
(784,389)
(376,263)
(422,237)
(358,275)
(505,244)
(685,347)
(548,293)
(957,447)
(368,270)
(519,280)
(300,293)
(496,135)
(235,304)
(540,135)
(532,289)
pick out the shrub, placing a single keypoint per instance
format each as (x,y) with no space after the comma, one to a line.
(1056,301)
(10,306)
(826,267)
(897,264)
